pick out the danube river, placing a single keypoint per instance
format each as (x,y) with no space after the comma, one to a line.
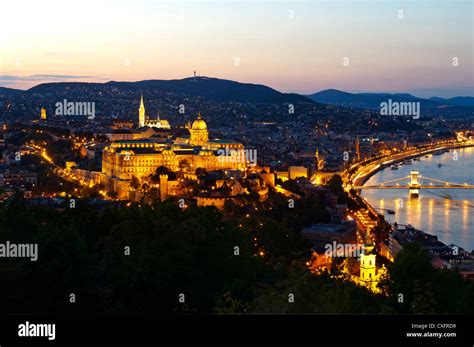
(447,213)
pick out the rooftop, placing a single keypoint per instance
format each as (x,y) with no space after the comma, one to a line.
(223,141)
(327,228)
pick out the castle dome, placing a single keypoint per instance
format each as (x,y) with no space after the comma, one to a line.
(199,123)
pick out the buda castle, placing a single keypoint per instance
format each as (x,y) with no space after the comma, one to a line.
(123,159)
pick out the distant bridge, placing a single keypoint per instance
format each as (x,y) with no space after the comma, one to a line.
(414,182)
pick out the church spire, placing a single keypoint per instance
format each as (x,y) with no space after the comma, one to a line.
(141,113)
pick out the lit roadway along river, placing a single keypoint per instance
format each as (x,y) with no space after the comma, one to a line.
(447,213)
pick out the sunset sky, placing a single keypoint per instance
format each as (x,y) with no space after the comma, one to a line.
(296,46)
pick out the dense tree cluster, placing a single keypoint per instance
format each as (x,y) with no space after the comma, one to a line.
(425,289)
(139,259)
(85,251)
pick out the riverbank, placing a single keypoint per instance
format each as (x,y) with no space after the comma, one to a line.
(452,257)
(359,174)
(361,179)
(444,212)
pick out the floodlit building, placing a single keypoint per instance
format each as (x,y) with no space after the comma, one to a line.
(370,275)
(140,158)
(145,121)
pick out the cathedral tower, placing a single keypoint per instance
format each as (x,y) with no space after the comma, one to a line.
(141,114)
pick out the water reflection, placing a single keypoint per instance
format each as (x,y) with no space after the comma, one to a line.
(447,213)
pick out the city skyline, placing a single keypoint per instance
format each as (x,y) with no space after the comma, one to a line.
(301,47)
(220,163)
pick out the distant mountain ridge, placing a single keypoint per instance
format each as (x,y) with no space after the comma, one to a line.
(9,91)
(211,88)
(231,91)
(458,100)
(373,100)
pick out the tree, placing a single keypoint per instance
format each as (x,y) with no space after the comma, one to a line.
(225,188)
(162,170)
(135,183)
(152,195)
(424,300)
(112,195)
(335,186)
(201,172)
(424,288)
(86,249)
(154,178)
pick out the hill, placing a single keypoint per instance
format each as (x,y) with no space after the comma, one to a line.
(6,92)
(454,107)
(467,101)
(210,88)
(366,100)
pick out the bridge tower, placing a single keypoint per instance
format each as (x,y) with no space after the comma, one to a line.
(414,185)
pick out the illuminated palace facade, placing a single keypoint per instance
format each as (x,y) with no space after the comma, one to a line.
(122,160)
